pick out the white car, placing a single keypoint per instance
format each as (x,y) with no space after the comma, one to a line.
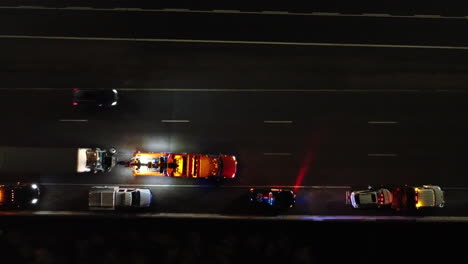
(371,198)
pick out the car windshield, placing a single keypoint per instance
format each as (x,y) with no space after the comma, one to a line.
(136,198)
(108,161)
(88,95)
(356,199)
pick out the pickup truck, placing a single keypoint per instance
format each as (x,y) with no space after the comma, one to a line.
(114,197)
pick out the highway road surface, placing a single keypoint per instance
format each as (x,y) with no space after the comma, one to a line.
(297,109)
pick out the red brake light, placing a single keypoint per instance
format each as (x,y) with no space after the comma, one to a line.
(75,89)
(75,103)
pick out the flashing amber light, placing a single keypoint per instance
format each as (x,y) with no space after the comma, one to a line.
(1,195)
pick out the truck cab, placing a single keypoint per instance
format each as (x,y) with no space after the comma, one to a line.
(96,160)
(429,196)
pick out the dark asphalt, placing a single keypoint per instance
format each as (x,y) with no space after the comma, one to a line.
(329,140)
(396,8)
(243,27)
(115,64)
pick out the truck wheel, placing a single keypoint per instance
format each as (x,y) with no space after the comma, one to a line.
(112,151)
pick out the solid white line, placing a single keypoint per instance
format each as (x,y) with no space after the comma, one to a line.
(254,90)
(266,12)
(265,90)
(175,121)
(284,217)
(278,121)
(428,16)
(326,14)
(376,15)
(73,120)
(221,11)
(202,186)
(175,9)
(280,43)
(26,7)
(86,8)
(382,155)
(277,154)
(275,12)
(382,122)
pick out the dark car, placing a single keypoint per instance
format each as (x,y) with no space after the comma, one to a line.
(95,97)
(20,195)
(272,198)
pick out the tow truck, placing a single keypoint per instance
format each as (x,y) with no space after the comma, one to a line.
(183,165)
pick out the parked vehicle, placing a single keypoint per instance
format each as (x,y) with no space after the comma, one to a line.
(272,198)
(370,198)
(19,195)
(113,197)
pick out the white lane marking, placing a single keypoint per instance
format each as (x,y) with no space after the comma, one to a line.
(277,154)
(87,8)
(221,11)
(274,12)
(255,90)
(325,14)
(376,15)
(73,120)
(382,155)
(212,41)
(173,9)
(269,90)
(175,121)
(284,217)
(227,11)
(252,90)
(278,121)
(427,16)
(202,186)
(382,122)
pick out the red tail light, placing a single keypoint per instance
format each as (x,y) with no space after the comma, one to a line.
(75,103)
(381,198)
(416,197)
(75,89)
